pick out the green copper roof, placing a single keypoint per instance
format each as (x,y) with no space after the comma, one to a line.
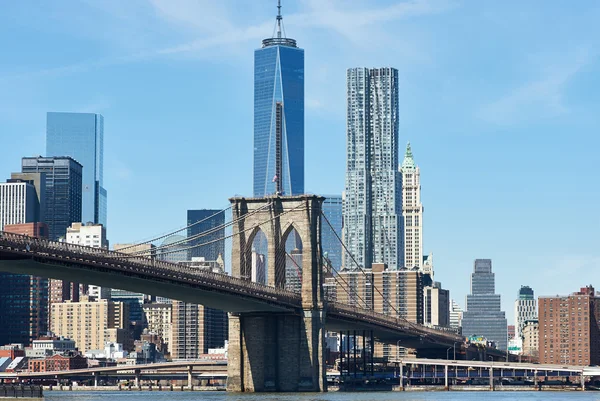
(408,158)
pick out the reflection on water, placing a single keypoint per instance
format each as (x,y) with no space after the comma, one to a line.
(372,396)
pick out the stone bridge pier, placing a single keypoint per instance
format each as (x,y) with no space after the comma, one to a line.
(278,351)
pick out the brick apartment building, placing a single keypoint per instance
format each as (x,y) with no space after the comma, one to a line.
(569,331)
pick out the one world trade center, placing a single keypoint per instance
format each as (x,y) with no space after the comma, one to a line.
(278,115)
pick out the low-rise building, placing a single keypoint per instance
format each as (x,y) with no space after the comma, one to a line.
(58,363)
(54,344)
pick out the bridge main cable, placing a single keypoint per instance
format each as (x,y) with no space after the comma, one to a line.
(385,299)
(128,256)
(174,232)
(196,236)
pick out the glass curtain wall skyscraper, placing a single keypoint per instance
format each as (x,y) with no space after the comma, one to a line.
(278,116)
(483,315)
(210,224)
(373,203)
(332,209)
(81,136)
(63,181)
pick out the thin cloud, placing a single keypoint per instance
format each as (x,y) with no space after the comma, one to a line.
(214,21)
(539,98)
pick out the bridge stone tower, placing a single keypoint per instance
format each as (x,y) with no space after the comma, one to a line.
(278,351)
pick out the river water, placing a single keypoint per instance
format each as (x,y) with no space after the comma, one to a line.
(337,396)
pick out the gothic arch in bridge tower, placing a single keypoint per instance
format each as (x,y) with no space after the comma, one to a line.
(256,257)
(292,245)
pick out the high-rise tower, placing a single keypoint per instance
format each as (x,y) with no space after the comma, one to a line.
(372,205)
(63,183)
(483,315)
(278,115)
(412,211)
(525,309)
(81,136)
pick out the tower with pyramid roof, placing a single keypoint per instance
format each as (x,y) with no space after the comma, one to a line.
(412,211)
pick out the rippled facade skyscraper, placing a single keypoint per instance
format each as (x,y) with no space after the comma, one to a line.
(373,198)
(278,116)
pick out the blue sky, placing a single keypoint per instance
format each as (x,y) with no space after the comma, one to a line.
(500,101)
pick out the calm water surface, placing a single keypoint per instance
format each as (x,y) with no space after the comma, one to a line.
(372,396)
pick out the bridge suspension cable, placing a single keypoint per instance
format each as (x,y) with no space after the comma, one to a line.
(173,232)
(219,239)
(196,236)
(385,299)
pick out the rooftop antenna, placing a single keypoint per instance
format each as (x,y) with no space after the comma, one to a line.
(279,18)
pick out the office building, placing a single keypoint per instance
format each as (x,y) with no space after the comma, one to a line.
(400,291)
(173,249)
(81,136)
(158,319)
(196,328)
(94,236)
(427,265)
(208,226)
(483,315)
(38,180)
(531,335)
(525,309)
(436,306)
(569,331)
(259,268)
(412,211)
(18,203)
(372,203)
(135,300)
(63,191)
(511,331)
(37,230)
(278,116)
(23,299)
(455,315)
(60,291)
(91,323)
(330,235)
(293,270)
(89,234)
(23,308)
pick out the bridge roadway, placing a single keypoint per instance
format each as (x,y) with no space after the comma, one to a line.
(215,367)
(58,260)
(575,369)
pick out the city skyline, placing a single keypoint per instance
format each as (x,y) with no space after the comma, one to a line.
(518,154)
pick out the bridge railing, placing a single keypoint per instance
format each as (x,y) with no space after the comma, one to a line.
(63,250)
(387,320)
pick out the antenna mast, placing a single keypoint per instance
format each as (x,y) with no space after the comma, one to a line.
(279,17)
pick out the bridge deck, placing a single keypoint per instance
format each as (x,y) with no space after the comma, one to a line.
(26,255)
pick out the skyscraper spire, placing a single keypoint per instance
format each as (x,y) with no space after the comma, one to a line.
(278,37)
(408,161)
(279,18)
